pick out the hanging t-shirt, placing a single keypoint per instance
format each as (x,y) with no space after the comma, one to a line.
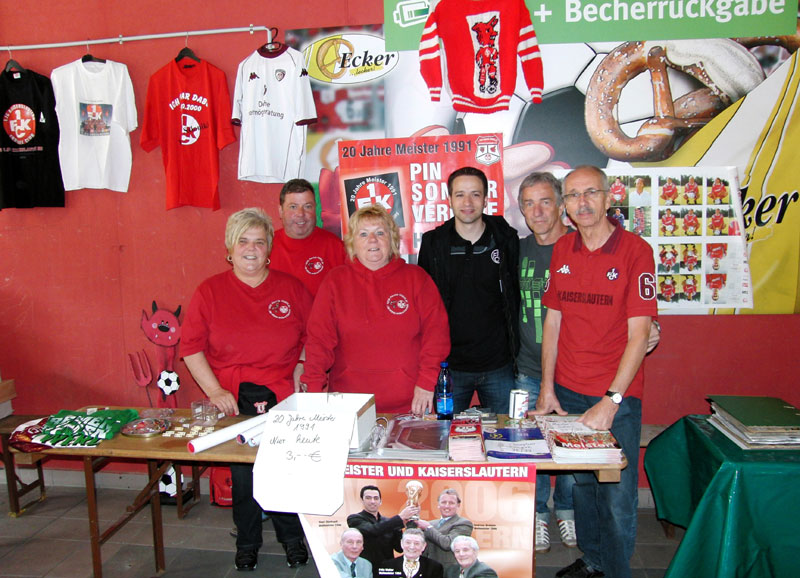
(187,114)
(274,103)
(96,112)
(29,172)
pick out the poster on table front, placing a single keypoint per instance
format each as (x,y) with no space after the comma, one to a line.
(499,500)
(408,177)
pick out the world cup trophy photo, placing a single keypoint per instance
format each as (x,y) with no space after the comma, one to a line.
(413,495)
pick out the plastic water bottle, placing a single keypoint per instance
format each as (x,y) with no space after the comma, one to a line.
(443,395)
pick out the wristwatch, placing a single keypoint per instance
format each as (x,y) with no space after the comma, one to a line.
(615,396)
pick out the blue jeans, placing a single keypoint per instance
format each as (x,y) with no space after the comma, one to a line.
(494,388)
(605,513)
(562,496)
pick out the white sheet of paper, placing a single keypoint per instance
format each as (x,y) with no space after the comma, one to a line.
(300,462)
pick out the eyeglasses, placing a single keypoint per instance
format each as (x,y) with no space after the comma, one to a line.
(590,194)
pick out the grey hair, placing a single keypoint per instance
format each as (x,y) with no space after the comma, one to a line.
(350,531)
(469,539)
(541,177)
(414,532)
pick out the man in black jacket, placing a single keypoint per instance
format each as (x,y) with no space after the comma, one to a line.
(381,534)
(473,260)
(411,564)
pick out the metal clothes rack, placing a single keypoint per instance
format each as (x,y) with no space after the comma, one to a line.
(271,33)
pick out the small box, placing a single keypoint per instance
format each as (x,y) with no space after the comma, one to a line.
(7,390)
(205,413)
(360,404)
(7,393)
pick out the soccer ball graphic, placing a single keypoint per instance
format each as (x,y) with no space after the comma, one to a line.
(169,382)
(168,484)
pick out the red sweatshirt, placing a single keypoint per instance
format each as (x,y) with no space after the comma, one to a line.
(381,332)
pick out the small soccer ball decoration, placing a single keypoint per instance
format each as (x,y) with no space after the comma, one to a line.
(169,484)
(169,382)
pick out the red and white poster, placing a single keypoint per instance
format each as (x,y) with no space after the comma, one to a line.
(408,176)
(498,498)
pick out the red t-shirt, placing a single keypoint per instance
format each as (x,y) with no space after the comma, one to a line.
(381,332)
(691,192)
(617,191)
(718,192)
(309,259)
(252,334)
(188,115)
(597,292)
(669,192)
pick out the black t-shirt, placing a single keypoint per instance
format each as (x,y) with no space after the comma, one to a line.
(478,338)
(30,173)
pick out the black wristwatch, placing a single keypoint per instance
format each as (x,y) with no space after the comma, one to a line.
(615,396)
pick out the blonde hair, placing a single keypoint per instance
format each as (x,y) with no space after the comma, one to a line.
(371,213)
(241,221)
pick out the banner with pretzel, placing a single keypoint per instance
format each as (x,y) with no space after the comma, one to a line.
(711,102)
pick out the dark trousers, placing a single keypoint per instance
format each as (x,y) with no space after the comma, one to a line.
(246,511)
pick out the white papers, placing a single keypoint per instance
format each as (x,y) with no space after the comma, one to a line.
(301,459)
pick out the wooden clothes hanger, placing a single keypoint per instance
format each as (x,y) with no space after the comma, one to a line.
(187,52)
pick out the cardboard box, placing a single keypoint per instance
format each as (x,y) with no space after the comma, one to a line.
(7,390)
(360,404)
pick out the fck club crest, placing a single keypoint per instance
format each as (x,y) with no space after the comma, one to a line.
(397,304)
(190,130)
(19,122)
(383,190)
(280,309)
(314,265)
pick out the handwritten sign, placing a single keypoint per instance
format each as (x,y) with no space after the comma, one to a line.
(300,462)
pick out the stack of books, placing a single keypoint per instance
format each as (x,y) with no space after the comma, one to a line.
(756,422)
(518,444)
(466,440)
(572,442)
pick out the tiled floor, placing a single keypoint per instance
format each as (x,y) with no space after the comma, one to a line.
(52,539)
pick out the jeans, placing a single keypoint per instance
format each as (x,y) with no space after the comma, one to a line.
(562,496)
(494,388)
(605,513)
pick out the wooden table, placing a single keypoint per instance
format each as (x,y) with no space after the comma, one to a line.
(159,453)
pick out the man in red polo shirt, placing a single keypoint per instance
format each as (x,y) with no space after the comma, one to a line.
(601,297)
(301,248)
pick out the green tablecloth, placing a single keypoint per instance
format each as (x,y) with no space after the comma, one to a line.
(740,508)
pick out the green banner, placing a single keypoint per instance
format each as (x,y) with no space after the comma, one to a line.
(567,21)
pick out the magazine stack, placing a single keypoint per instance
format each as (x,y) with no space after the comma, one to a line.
(572,442)
(756,422)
